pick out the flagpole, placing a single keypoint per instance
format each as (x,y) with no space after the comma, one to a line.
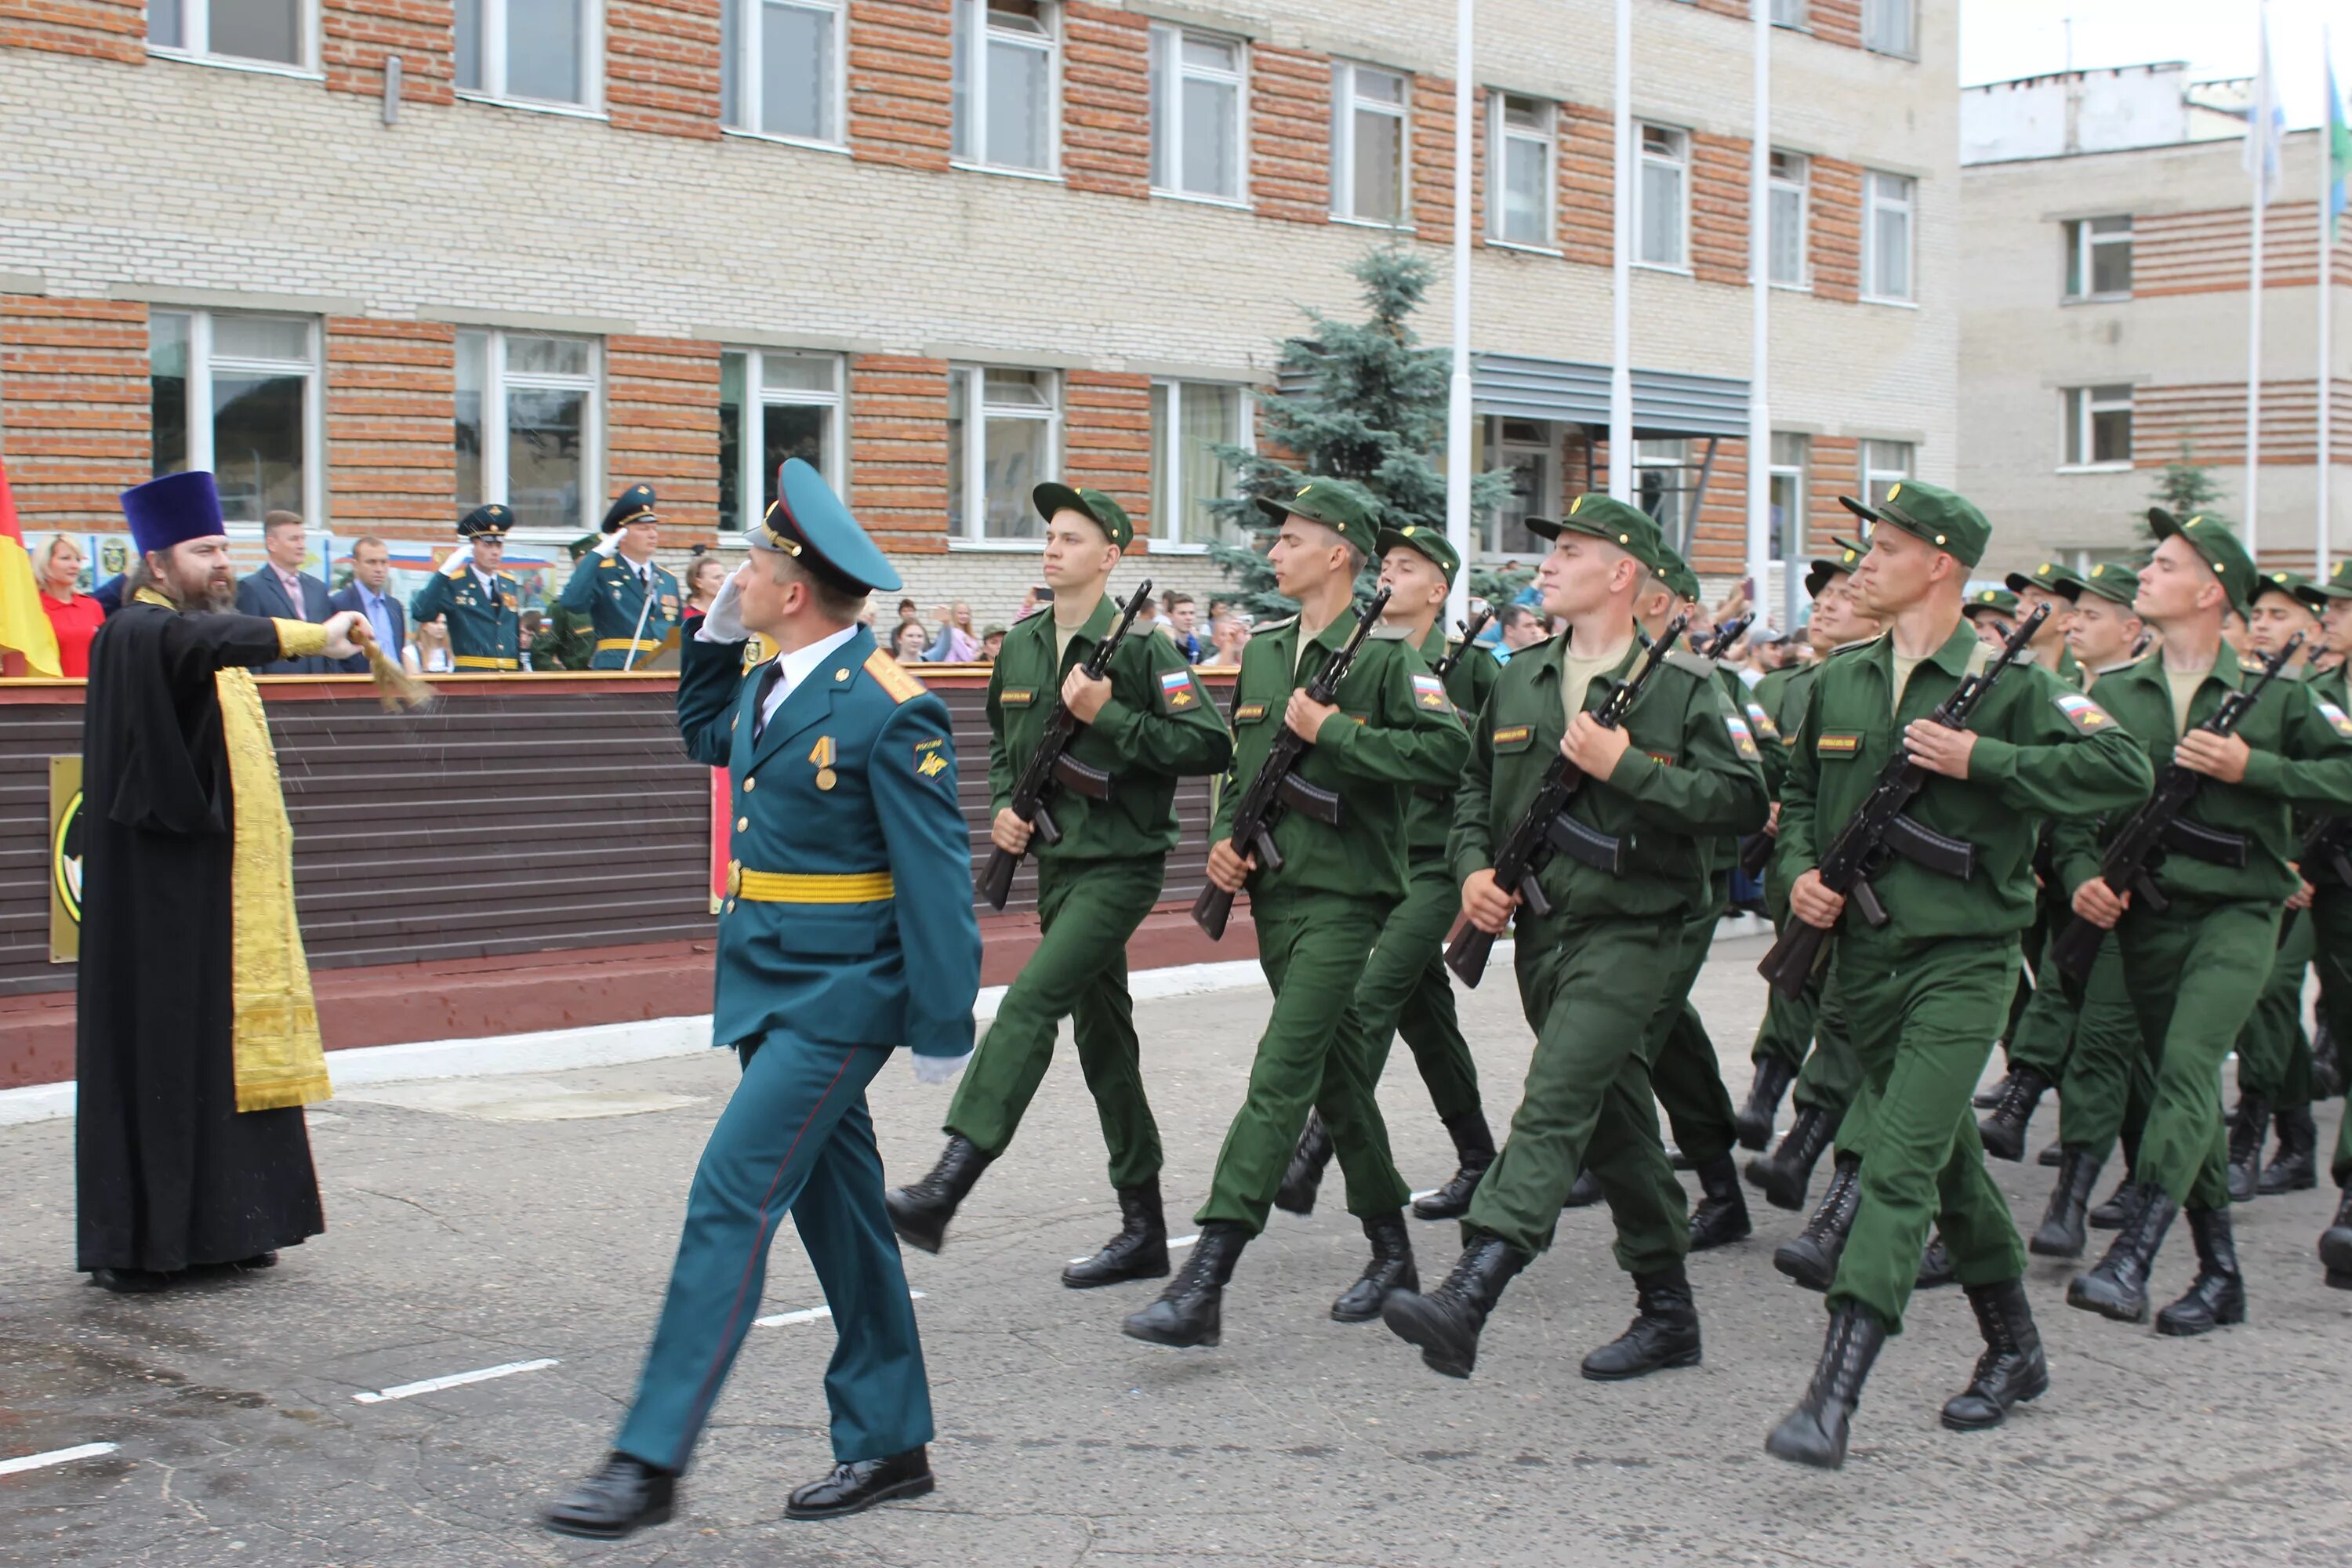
(2258,130)
(2327,196)
(1458,410)
(1621,362)
(1759,278)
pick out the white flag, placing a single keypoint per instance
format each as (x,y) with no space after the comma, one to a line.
(2265,123)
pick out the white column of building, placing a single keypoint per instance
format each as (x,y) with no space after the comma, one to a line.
(1458,413)
(1759,277)
(2327,287)
(2254,376)
(1620,360)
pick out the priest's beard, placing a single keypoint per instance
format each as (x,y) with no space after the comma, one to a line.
(198,593)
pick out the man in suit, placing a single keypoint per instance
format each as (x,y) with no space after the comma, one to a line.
(371,574)
(848,931)
(283,591)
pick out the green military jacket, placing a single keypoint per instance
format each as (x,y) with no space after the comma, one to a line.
(1691,775)
(1429,814)
(1763,723)
(1405,734)
(2301,744)
(2039,753)
(1159,725)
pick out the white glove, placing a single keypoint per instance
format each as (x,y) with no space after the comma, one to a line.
(610,545)
(459,559)
(935,1069)
(723,624)
(344,628)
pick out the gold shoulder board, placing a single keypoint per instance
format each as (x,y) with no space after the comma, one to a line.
(892,678)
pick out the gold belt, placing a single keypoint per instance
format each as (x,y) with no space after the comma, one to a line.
(483,661)
(623,645)
(807,887)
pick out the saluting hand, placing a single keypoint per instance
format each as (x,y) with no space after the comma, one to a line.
(2100,904)
(2222,757)
(1592,747)
(1483,902)
(1811,900)
(1939,750)
(1228,870)
(1307,716)
(1083,697)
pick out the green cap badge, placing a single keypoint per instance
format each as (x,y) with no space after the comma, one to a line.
(2051,577)
(1678,577)
(1951,522)
(1841,564)
(2311,596)
(2216,546)
(1331,503)
(1999,601)
(1107,513)
(1423,541)
(2110,580)
(1630,529)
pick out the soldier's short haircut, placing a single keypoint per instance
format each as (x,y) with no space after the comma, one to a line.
(839,602)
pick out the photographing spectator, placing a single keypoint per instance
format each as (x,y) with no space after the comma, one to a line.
(956,642)
(73,615)
(1228,634)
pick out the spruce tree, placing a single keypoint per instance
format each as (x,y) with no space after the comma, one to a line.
(1369,409)
(2185,488)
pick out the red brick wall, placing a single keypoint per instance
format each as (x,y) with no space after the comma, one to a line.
(74,407)
(1107,440)
(391,404)
(1833,469)
(1719,543)
(1587,173)
(899,439)
(661,426)
(661,65)
(1835,21)
(1718,209)
(901,76)
(355,36)
(1431,158)
(1835,222)
(104,29)
(1725,7)
(1106,100)
(1290,134)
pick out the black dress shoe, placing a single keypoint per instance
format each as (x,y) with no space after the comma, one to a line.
(1140,1250)
(131,1281)
(2004,1131)
(1391,1270)
(1815,1432)
(1663,1333)
(1721,1217)
(1303,1178)
(1584,1193)
(2218,1295)
(854,1486)
(2013,1367)
(2335,1245)
(1446,1323)
(1788,1171)
(1753,1124)
(2295,1167)
(1190,1311)
(625,1495)
(920,1214)
(1474,1149)
(1810,1257)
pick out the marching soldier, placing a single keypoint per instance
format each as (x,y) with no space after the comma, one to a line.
(1918,991)
(630,600)
(2058,587)
(835,946)
(1406,988)
(1147,723)
(1597,976)
(1993,613)
(1319,912)
(2331,919)
(482,604)
(2196,967)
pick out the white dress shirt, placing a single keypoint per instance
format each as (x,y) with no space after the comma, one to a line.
(797,665)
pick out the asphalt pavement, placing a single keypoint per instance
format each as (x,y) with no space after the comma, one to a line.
(523,1225)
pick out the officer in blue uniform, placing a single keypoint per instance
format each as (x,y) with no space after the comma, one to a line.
(848,931)
(482,604)
(612,584)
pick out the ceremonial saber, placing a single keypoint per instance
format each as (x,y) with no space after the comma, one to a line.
(638,635)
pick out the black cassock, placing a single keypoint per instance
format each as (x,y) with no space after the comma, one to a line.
(170,1175)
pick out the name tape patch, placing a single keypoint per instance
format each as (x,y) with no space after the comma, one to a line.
(1838,744)
(1249,712)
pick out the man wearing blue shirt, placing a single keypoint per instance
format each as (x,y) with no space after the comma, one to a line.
(370,576)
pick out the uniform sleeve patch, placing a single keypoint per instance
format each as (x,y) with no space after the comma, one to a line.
(1429,692)
(2087,716)
(2335,717)
(1177,691)
(1761,722)
(1743,740)
(890,677)
(931,757)
(1248,712)
(1838,744)
(1016,696)
(1513,737)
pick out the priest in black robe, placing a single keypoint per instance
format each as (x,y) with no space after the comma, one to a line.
(196,1042)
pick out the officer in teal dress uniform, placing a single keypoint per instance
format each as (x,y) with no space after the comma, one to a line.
(484,605)
(848,931)
(612,583)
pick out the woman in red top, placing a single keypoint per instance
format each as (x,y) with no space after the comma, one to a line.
(75,616)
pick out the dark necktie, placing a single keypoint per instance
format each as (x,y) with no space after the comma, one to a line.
(760,705)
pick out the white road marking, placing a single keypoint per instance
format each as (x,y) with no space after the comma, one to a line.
(455,1380)
(1180,1241)
(808,1314)
(1431,1192)
(54,1456)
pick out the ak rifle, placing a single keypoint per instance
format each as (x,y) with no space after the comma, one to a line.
(1546,827)
(1881,827)
(1277,783)
(1051,764)
(1444,668)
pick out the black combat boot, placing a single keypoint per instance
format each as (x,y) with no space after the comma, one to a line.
(1986,1098)
(2013,1367)
(1934,1265)
(920,1214)
(2004,1131)
(1304,1176)
(1140,1250)
(1585,1193)
(1754,1123)
(2053,1155)
(1663,1333)
(1445,1323)
(2062,1233)
(1812,1258)
(1474,1146)
(1391,1270)
(1788,1171)
(2248,1123)
(2295,1167)
(1187,1312)
(1814,1433)
(1721,1217)
(2335,1245)
(2117,1287)
(2326,1062)
(2116,1213)
(2217,1296)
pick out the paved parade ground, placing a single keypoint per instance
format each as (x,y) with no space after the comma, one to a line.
(525,1225)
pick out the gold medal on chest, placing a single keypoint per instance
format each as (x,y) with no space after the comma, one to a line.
(822,754)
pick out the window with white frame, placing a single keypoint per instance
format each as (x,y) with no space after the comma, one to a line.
(2099,257)
(1004,84)
(1525,449)
(1193,422)
(1891,27)
(274,32)
(1788,13)
(1368,143)
(1663,484)
(1661,207)
(238,396)
(1196,113)
(1522,152)
(1792,174)
(774,404)
(543,51)
(528,426)
(1785,494)
(1885,465)
(2098,427)
(1886,204)
(782,70)
(1003,440)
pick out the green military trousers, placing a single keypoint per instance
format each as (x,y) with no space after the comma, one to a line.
(1593,992)
(2108,1084)
(2042,1033)
(1922,1015)
(1313,947)
(1684,1070)
(1407,990)
(2273,1051)
(1088,910)
(2331,925)
(1807,1032)
(2195,972)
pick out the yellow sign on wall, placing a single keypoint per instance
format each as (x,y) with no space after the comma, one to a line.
(64,859)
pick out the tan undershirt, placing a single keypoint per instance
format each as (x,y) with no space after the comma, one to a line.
(1064,630)
(1903,668)
(2184,684)
(1578,674)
